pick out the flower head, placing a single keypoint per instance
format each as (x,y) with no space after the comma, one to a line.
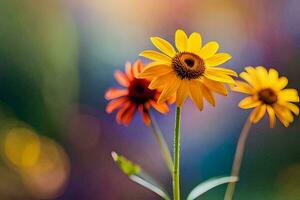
(135,95)
(191,71)
(267,95)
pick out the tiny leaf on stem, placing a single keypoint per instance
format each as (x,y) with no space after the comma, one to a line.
(135,173)
(128,167)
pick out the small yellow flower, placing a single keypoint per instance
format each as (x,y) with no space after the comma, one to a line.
(267,95)
(192,71)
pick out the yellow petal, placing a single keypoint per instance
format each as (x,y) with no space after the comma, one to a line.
(162,108)
(208,50)
(281,83)
(169,89)
(154,69)
(225,71)
(194,42)
(289,95)
(282,120)
(250,79)
(259,76)
(283,114)
(208,95)
(262,73)
(258,113)
(156,56)
(289,92)
(286,113)
(161,81)
(157,82)
(292,107)
(271,114)
(273,75)
(249,102)
(242,87)
(215,86)
(251,70)
(163,45)
(217,59)
(181,40)
(196,93)
(218,76)
(182,92)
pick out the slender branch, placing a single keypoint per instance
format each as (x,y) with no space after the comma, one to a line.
(162,144)
(176,183)
(238,159)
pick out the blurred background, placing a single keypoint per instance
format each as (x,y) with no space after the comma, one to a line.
(57,58)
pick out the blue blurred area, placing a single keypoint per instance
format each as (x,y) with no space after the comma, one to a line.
(58,57)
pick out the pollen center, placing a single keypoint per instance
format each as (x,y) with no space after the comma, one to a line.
(139,91)
(188,65)
(267,96)
(189,62)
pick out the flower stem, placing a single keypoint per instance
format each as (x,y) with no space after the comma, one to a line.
(162,144)
(176,184)
(238,159)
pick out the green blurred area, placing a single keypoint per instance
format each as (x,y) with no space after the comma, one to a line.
(39,55)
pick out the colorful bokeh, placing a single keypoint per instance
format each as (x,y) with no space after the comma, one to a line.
(58,57)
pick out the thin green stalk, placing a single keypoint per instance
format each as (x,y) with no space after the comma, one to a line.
(176,183)
(162,144)
(238,159)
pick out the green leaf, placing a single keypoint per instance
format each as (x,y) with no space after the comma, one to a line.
(135,173)
(209,184)
(150,184)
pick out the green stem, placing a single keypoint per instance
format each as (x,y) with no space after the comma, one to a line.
(162,144)
(176,184)
(238,159)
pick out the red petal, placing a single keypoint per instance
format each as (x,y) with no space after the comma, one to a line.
(122,78)
(121,112)
(127,117)
(115,93)
(147,105)
(129,70)
(145,115)
(137,67)
(111,106)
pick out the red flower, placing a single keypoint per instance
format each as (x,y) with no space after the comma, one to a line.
(134,96)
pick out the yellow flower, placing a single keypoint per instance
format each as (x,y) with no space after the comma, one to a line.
(267,95)
(192,71)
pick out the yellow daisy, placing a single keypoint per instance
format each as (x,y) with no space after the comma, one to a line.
(267,95)
(191,71)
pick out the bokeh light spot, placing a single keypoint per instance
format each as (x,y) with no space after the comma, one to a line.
(48,177)
(22,147)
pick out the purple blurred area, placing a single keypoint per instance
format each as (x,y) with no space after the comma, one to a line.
(58,57)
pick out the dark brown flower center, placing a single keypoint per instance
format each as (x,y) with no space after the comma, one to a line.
(139,92)
(267,96)
(188,65)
